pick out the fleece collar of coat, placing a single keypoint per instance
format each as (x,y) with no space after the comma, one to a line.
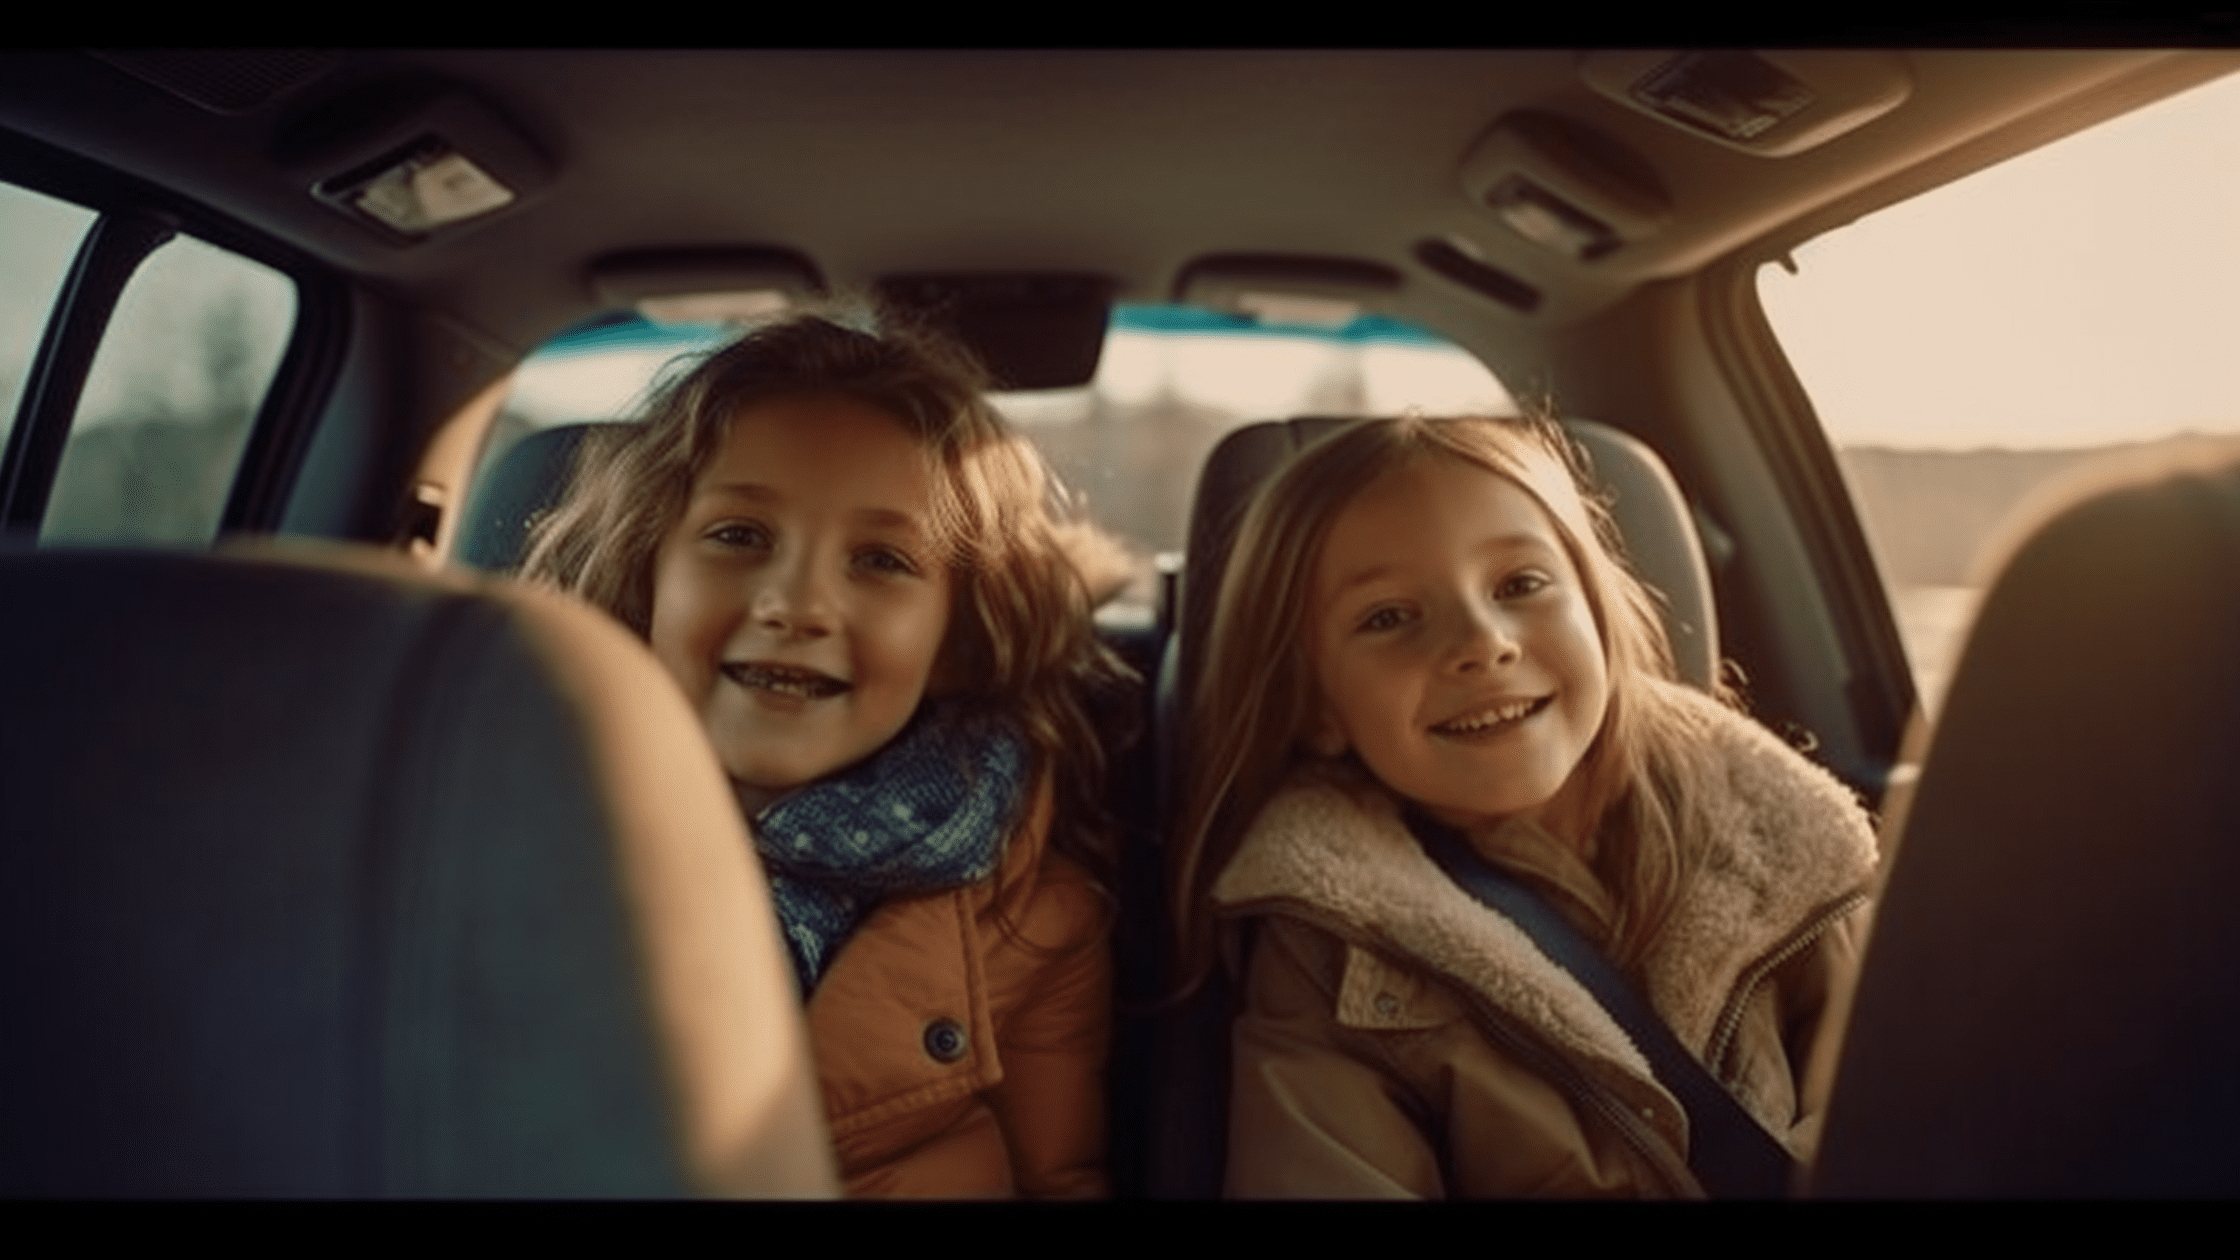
(1788,843)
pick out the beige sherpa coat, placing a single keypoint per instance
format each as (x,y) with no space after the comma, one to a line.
(1400,1039)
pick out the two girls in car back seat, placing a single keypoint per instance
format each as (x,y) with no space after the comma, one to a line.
(852,569)
(1429,615)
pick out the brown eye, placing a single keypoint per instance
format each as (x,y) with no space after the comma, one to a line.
(740,535)
(1387,617)
(1520,585)
(886,560)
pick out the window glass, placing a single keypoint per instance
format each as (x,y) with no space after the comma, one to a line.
(1172,380)
(38,238)
(169,402)
(1972,345)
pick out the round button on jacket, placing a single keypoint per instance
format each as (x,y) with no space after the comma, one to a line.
(945,1040)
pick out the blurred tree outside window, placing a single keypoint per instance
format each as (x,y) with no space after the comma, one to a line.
(171,397)
(38,237)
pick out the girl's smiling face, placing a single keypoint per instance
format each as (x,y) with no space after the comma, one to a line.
(800,601)
(1454,648)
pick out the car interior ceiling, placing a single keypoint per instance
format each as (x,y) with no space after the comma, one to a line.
(1035,191)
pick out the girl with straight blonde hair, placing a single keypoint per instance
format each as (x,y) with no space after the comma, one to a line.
(1426,623)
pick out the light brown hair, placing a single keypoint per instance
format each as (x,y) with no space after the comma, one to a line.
(1255,703)
(1020,645)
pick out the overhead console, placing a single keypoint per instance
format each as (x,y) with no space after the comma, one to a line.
(411,158)
(1769,104)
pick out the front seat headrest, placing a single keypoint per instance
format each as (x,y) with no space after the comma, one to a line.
(327,878)
(2050,1004)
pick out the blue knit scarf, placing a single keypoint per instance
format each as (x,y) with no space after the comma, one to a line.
(931,810)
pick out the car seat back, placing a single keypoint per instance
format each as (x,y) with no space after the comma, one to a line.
(517,488)
(324,878)
(2050,1003)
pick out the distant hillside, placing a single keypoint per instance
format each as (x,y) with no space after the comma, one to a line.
(1930,513)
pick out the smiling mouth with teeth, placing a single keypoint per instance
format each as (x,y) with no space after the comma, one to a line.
(1494,718)
(785,680)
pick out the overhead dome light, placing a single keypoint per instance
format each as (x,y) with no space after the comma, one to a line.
(412,160)
(413,191)
(1564,187)
(1768,103)
(1548,221)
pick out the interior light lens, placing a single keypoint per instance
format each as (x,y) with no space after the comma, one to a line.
(426,186)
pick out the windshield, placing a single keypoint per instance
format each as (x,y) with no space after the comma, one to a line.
(1129,444)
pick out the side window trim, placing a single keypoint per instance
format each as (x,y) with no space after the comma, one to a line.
(1878,688)
(106,261)
(280,437)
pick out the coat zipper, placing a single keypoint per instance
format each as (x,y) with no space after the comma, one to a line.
(1577,1085)
(1730,1018)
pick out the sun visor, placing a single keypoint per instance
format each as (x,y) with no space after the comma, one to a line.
(1031,331)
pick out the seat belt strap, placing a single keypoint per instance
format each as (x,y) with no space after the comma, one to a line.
(1728,1150)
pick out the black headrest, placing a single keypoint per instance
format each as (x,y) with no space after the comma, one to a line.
(326,879)
(512,492)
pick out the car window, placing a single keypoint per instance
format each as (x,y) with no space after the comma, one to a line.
(1172,380)
(169,402)
(1968,347)
(38,237)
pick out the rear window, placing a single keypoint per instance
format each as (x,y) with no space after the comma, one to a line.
(1968,347)
(1171,382)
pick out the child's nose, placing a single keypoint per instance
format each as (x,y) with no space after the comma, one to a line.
(794,600)
(1486,641)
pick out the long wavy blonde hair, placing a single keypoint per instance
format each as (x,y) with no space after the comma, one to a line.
(1255,702)
(1020,643)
